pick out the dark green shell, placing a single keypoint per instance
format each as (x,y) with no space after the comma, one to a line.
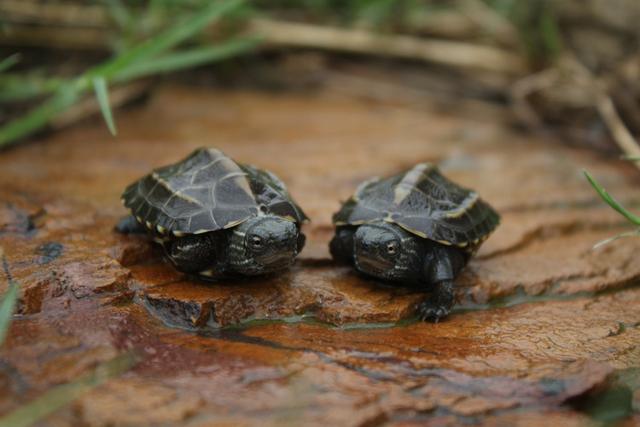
(207,191)
(425,203)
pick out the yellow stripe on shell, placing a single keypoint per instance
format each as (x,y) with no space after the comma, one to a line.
(173,191)
(412,231)
(409,180)
(444,242)
(215,152)
(234,223)
(207,273)
(465,206)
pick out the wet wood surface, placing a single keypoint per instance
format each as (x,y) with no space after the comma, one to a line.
(545,327)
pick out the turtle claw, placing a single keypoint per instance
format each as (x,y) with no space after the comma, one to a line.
(438,306)
(429,311)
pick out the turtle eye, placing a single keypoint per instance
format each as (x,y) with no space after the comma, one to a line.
(392,248)
(256,241)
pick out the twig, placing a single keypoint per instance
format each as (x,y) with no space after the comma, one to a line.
(522,88)
(633,233)
(443,24)
(392,92)
(609,114)
(490,21)
(42,13)
(58,38)
(598,97)
(456,54)
(461,25)
(57,25)
(616,126)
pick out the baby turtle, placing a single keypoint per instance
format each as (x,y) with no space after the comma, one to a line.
(416,227)
(215,217)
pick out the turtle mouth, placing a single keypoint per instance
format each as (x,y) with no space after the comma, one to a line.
(373,265)
(277,261)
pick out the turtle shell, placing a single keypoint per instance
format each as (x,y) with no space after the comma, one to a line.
(425,203)
(207,191)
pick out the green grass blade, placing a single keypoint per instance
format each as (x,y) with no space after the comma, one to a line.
(6,309)
(550,33)
(38,117)
(186,59)
(119,13)
(631,158)
(9,62)
(634,233)
(503,7)
(611,201)
(62,395)
(166,40)
(100,87)
(8,300)
(19,87)
(375,12)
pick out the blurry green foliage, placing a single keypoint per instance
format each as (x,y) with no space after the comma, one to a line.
(163,36)
(61,395)
(8,303)
(615,205)
(371,13)
(537,25)
(153,55)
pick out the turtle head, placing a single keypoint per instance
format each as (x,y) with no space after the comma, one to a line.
(383,250)
(264,244)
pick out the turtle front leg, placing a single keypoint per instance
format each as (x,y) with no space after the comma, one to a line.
(442,265)
(341,246)
(129,225)
(195,254)
(439,304)
(302,239)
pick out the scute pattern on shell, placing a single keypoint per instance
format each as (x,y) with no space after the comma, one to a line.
(207,191)
(271,193)
(424,202)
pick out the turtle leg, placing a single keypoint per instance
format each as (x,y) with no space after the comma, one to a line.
(301,241)
(195,254)
(442,265)
(129,225)
(341,246)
